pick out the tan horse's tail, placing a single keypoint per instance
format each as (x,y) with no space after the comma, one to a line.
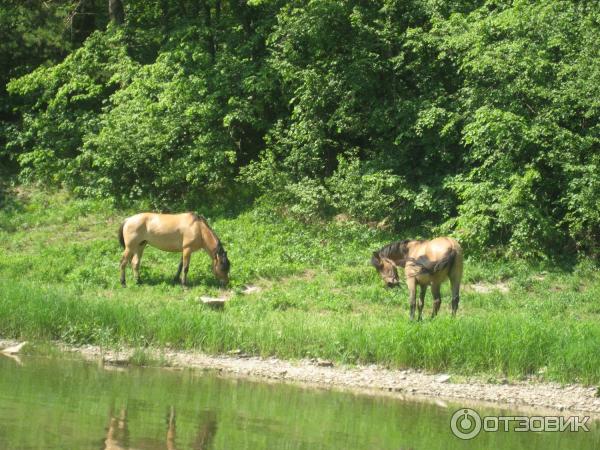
(121,237)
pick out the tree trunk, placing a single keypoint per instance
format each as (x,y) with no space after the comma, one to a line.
(210,40)
(116,12)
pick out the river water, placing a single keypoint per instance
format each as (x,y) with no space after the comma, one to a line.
(70,404)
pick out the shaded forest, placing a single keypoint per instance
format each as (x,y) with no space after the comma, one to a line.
(474,118)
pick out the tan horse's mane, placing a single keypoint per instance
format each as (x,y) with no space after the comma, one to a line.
(219,249)
(199,217)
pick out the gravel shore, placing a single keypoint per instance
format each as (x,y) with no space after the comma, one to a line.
(370,379)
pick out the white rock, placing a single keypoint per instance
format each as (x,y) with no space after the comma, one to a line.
(214,302)
(250,289)
(14,349)
(443,378)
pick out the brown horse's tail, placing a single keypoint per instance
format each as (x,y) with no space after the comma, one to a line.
(121,237)
(446,261)
(426,266)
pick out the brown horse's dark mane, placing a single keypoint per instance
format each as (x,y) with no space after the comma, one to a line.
(394,249)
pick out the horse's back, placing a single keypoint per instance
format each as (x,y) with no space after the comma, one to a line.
(164,231)
(436,248)
(442,245)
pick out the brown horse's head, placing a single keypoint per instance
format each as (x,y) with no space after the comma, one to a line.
(387,259)
(386,268)
(221,265)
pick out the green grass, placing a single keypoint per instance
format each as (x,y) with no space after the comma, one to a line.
(320,297)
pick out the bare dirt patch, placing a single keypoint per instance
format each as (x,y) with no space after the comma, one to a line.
(486,288)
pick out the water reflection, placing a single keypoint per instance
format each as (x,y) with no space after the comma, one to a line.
(117,435)
(118,438)
(207,429)
(75,405)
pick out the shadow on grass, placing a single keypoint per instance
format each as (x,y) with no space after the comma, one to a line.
(166,279)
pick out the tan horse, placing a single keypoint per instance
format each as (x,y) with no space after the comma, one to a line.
(184,233)
(425,263)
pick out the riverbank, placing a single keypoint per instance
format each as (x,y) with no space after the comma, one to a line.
(372,379)
(298,291)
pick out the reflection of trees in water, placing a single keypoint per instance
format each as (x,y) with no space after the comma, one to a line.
(117,434)
(207,429)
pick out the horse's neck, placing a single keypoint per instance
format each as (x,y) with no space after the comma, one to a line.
(209,239)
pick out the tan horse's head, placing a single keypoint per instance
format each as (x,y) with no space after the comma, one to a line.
(221,265)
(387,269)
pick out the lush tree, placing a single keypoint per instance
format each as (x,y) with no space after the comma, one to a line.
(472,117)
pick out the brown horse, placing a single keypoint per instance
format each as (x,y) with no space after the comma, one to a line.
(425,263)
(184,233)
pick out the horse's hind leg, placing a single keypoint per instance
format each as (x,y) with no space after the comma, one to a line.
(455,276)
(455,283)
(136,262)
(125,259)
(422,300)
(437,299)
(412,296)
(187,254)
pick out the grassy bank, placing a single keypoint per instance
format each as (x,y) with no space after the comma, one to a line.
(319,296)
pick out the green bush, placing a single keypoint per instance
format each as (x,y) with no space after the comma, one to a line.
(473,118)
(62,104)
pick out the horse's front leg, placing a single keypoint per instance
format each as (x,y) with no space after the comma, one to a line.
(187,254)
(412,296)
(177,278)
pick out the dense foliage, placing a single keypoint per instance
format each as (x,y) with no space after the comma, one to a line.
(472,117)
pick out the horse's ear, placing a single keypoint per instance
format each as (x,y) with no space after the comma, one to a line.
(376,260)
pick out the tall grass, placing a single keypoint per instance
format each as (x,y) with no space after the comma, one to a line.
(320,297)
(514,344)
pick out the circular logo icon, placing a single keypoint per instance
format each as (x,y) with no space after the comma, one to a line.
(465,424)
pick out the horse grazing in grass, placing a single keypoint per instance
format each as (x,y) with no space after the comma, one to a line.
(184,233)
(425,263)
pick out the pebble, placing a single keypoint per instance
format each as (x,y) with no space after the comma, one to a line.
(324,363)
